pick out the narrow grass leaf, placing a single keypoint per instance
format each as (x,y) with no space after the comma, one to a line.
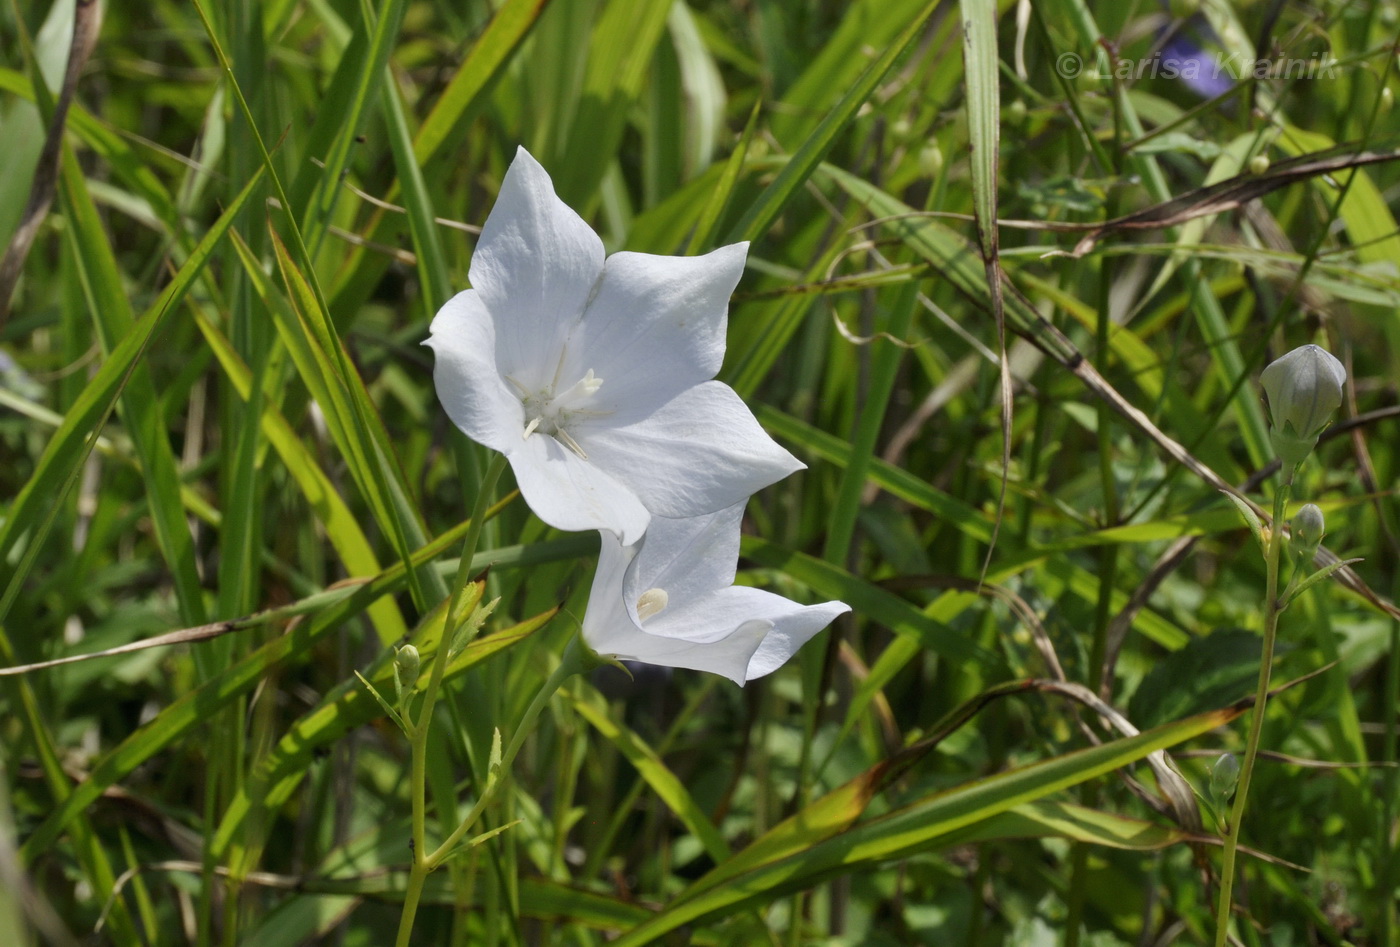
(910,829)
(761,214)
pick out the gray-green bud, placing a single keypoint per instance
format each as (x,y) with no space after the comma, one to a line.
(406,664)
(1304,389)
(931,159)
(1308,528)
(1223,777)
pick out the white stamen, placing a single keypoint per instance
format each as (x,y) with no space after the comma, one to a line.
(530,429)
(585,387)
(651,602)
(570,443)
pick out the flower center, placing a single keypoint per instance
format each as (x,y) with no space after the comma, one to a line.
(552,411)
(651,602)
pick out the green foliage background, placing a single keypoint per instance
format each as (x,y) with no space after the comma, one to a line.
(216,406)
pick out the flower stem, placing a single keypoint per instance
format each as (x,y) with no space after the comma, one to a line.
(1272,607)
(418,732)
(574,661)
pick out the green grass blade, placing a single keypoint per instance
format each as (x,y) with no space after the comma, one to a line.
(489,55)
(658,775)
(761,214)
(724,188)
(38,501)
(140,408)
(341,526)
(795,854)
(619,55)
(332,609)
(345,707)
(868,600)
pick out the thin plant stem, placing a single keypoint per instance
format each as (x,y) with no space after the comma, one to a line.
(575,660)
(418,732)
(1272,607)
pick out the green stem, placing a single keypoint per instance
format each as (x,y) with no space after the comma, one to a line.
(1272,603)
(575,661)
(418,733)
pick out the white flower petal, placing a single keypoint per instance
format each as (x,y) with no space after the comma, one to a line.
(793,628)
(656,325)
(688,557)
(700,452)
(738,632)
(570,493)
(470,388)
(728,657)
(1305,388)
(535,267)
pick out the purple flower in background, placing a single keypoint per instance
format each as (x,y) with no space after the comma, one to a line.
(1184,57)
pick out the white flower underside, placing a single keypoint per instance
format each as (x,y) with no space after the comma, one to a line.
(669,600)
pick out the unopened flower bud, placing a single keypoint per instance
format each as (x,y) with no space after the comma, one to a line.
(1259,164)
(406,664)
(1223,777)
(931,159)
(1308,528)
(1304,389)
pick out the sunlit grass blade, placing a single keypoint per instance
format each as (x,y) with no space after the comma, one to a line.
(489,55)
(349,705)
(331,611)
(658,776)
(38,501)
(619,55)
(791,856)
(342,528)
(326,369)
(761,214)
(140,409)
(724,189)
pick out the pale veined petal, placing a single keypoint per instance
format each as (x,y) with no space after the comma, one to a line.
(468,384)
(535,266)
(793,627)
(728,657)
(682,621)
(610,628)
(688,557)
(700,452)
(656,324)
(570,493)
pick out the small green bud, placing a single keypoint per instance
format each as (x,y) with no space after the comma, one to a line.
(406,665)
(1224,775)
(1308,528)
(1304,389)
(1258,164)
(1387,99)
(1016,111)
(931,159)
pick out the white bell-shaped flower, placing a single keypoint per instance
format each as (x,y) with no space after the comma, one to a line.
(671,600)
(593,376)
